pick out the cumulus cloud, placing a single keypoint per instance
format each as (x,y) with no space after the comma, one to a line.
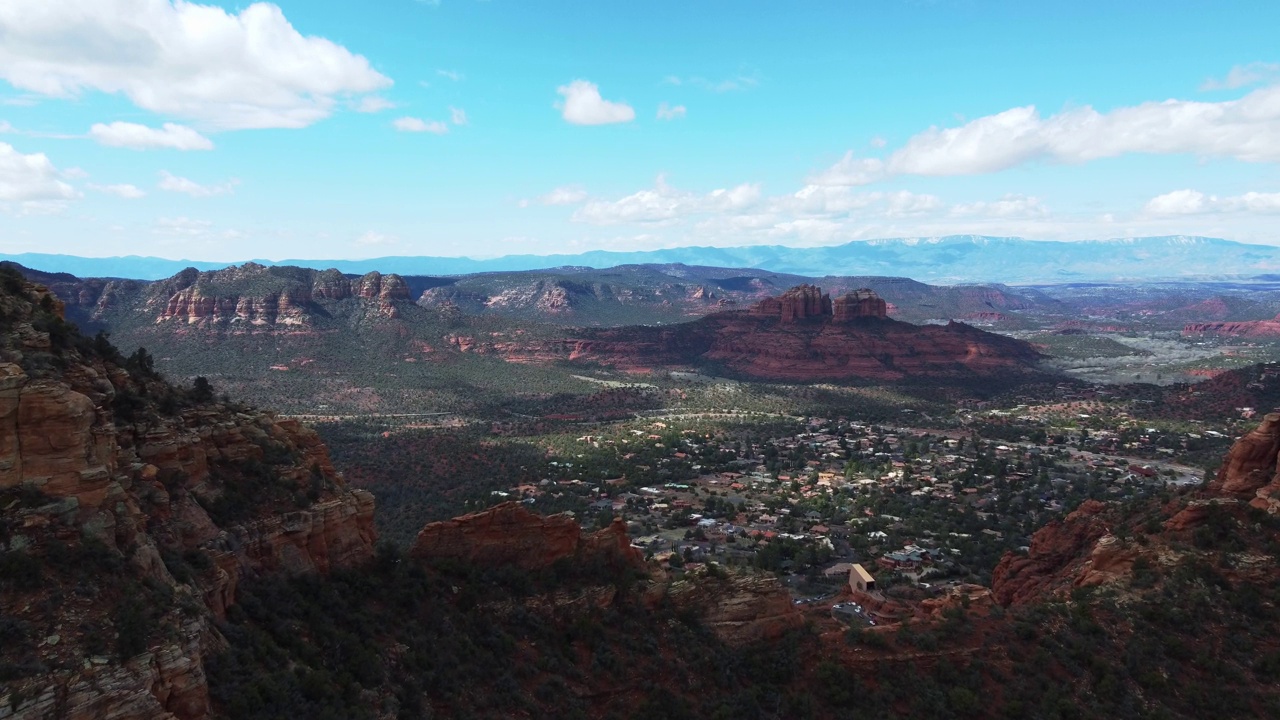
(250,69)
(418,125)
(851,170)
(140,137)
(669,112)
(1194,202)
(31,182)
(172,183)
(123,190)
(665,203)
(829,201)
(566,195)
(1244,75)
(1247,129)
(373,104)
(582,105)
(1009,206)
(457,116)
(453,75)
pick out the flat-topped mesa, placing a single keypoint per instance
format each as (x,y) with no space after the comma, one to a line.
(798,303)
(861,303)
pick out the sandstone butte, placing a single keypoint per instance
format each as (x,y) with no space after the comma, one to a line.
(137,488)
(802,335)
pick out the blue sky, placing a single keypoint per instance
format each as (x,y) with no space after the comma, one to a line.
(325,129)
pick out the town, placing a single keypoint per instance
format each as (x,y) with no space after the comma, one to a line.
(825,502)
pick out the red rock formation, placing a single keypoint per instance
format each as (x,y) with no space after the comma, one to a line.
(1250,471)
(740,609)
(510,534)
(330,285)
(385,288)
(137,488)
(759,343)
(798,303)
(1058,552)
(862,303)
(254,296)
(1244,328)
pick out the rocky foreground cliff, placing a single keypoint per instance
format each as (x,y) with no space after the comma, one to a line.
(131,510)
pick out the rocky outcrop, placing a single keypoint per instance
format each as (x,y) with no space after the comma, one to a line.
(1053,564)
(740,609)
(1243,328)
(863,303)
(798,303)
(330,285)
(383,288)
(1250,471)
(510,534)
(234,490)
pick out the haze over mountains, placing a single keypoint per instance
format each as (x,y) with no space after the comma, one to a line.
(951,259)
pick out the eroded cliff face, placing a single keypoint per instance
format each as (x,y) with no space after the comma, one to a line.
(1057,553)
(1250,471)
(249,297)
(1097,544)
(739,609)
(510,534)
(1243,328)
(121,497)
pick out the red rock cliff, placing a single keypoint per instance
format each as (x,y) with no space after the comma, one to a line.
(142,489)
(510,534)
(1250,472)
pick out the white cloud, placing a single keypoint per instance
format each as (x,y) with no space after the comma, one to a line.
(182,227)
(373,104)
(223,70)
(453,75)
(1194,202)
(1009,206)
(123,190)
(665,203)
(851,170)
(583,105)
(1247,129)
(737,82)
(1242,75)
(566,195)
(373,238)
(173,183)
(668,112)
(31,182)
(418,125)
(457,116)
(75,173)
(141,137)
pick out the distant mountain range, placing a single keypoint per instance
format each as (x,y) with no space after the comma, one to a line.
(953,259)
